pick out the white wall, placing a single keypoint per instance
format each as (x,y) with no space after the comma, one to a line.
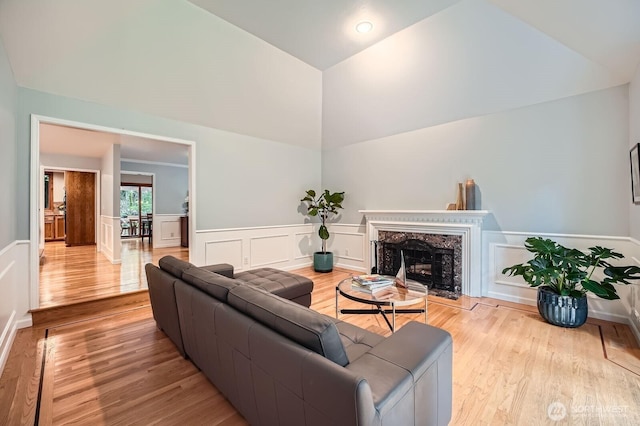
(634,209)
(169,59)
(469,60)
(109,229)
(634,138)
(558,167)
(108,163)
(58,187)
(70,162)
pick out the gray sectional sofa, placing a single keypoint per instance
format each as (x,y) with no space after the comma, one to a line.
(281,363)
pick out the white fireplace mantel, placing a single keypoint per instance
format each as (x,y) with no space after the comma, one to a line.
(466,223)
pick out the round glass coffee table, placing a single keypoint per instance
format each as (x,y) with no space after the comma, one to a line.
(385,301)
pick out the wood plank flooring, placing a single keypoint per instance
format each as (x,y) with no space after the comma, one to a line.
(510,368)
(76,274)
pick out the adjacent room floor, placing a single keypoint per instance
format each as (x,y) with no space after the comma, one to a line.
(77,274)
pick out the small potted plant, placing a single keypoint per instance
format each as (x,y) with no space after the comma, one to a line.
(323,205)
(564,275)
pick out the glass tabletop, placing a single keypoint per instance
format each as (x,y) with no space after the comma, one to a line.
(392,295)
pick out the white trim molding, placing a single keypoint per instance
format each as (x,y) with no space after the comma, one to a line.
(465,223)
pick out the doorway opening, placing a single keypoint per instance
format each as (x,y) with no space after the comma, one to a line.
(103,266)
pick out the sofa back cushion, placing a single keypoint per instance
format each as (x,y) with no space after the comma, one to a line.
(213,284)
(298,323)
(174,266)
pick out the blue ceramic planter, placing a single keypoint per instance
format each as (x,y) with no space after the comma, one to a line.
(322,262)
(563,311)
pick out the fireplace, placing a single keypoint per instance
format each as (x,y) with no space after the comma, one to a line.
(441,229)
(433,260)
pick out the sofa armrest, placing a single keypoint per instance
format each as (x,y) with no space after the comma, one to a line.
(220,268)
(413,364)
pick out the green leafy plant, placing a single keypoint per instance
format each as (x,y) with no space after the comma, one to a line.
(569,272)
(323,205)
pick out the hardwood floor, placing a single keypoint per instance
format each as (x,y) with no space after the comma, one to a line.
(76,274)
(510,367)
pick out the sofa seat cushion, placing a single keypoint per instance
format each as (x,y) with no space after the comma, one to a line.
(356,341)
(284,284)
(174,266)
(310,329)
(213,284)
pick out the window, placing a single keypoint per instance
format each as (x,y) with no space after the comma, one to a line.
(136,202)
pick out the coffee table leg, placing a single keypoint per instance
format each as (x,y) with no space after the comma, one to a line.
(425,310)
(393,319)
(337,293)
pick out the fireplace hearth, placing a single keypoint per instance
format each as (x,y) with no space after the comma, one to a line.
(433,260)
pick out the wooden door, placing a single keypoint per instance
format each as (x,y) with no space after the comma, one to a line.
(80,191)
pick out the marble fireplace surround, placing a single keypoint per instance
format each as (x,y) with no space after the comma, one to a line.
(466,223)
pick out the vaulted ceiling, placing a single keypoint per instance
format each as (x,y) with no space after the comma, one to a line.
(182,59)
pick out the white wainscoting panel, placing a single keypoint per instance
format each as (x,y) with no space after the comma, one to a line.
(166,230)
(284,247)
(224,251)
(269,250)
(304,245)
(503,249)
(349,246)
(110,238)
(14,288)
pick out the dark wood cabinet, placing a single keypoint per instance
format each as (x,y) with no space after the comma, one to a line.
(184,231)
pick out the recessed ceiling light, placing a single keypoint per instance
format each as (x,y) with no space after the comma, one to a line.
(364,27)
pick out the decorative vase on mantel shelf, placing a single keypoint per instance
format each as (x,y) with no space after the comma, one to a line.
(470,195)
(460,200)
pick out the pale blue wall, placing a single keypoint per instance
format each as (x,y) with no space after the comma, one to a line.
(241,180)
(559,167)
(169,187)
(8,106)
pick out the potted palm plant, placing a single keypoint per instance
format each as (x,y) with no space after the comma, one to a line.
(323,205)
(564,275)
